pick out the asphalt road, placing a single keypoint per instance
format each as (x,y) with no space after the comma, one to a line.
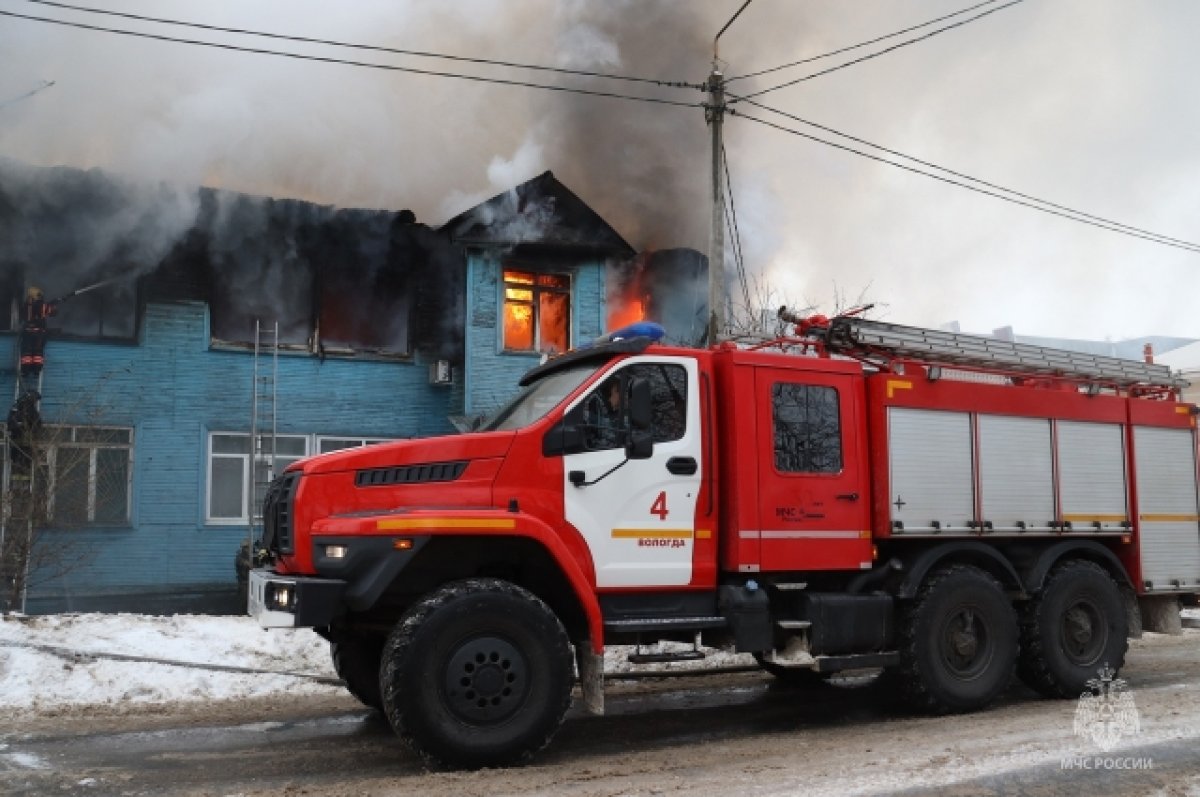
(724,735)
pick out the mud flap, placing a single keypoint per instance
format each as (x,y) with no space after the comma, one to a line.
(591,677)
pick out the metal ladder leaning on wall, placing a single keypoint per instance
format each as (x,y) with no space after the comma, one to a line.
(263,426)
(17,500)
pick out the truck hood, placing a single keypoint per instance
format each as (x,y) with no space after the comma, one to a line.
(451,448)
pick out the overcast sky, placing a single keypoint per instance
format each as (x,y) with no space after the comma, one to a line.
(1091,104)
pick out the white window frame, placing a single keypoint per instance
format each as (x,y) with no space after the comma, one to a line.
(535,308)
(246,460)
(64,436)
(312,445)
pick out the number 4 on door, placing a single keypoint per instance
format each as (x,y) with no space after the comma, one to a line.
(659,507)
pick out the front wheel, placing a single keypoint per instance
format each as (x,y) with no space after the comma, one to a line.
(478,673)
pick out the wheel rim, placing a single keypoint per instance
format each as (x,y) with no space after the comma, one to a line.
(486,680)
(966,643)
(1084,633)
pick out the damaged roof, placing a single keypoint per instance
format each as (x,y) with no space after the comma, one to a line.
(541,211)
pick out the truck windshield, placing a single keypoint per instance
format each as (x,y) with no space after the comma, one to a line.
(538,398)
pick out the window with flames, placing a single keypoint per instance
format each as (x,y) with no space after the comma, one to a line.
(537,311)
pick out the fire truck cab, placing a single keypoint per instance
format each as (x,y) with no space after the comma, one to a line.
(861,495)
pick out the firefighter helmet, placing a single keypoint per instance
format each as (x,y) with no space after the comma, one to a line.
(34,292)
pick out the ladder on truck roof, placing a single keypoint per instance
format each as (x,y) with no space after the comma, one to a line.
(863,337)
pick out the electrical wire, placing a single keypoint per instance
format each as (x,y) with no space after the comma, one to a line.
(886,50)
(347,62)
(1188,246)
(731,222)
(954,173)
(369,47)
(841,50)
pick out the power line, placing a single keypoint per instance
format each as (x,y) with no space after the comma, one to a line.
(346,62)
(731,222)
(369,47)
(1191,247)
(954,173)
(44,85)
(841,50)
(886,50)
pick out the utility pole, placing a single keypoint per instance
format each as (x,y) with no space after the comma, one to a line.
(714,114)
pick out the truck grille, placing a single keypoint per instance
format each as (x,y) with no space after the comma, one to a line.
(411,474)
(277,514)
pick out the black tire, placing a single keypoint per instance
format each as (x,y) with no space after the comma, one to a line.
(356,660)
(1075,627)
(476,674)
(957,642)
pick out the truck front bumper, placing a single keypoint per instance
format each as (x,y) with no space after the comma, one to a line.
(278,601)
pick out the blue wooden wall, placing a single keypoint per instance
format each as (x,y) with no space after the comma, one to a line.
(173,388)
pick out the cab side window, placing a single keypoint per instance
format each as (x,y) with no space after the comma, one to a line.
(808,428)
(606,420)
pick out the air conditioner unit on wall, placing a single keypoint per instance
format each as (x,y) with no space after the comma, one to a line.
(440,373)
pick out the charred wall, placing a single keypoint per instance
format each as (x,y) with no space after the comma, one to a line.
(339,282)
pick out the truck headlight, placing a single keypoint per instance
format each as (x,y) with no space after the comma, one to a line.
(281,597)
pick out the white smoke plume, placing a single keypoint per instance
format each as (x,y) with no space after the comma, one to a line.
(1084,102)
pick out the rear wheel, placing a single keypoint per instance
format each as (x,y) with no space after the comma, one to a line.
(356,660)
(958,642)
(478,673)
(1076,627)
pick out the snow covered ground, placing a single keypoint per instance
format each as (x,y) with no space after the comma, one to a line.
(54,661)
(51,662)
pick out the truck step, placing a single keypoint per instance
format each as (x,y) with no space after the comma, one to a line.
(661,658)
(794,625)
(854,661)
(639,624)
(791,586)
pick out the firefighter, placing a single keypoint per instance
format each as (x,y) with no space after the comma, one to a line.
(24,422)
(33,332)
(606,426)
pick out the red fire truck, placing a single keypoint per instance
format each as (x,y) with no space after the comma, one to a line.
(859,495)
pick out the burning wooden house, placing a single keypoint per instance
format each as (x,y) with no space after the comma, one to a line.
(232,335)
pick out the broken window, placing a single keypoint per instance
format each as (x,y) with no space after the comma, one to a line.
(537,311)
(10,297)
(108,312)
(364,309)
(260,271)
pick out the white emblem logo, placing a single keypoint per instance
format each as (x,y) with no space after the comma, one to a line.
(1106,712)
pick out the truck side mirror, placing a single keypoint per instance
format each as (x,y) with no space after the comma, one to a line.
(641,410)
(641,420)
(565,437)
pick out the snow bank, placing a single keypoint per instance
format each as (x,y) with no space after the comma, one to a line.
(34,680)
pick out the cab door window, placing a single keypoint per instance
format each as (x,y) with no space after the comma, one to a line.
(606,420)
(807,428)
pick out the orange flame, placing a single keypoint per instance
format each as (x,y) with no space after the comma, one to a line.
(625,312)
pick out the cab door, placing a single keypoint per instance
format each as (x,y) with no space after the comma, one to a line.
(813,507)
(638,516)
